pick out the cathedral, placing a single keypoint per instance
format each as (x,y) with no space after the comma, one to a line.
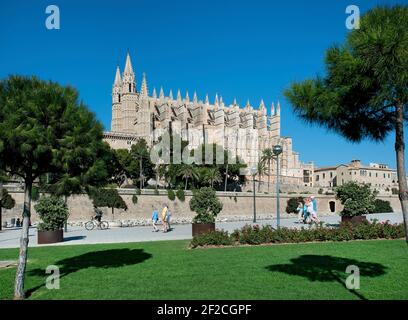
(244,132)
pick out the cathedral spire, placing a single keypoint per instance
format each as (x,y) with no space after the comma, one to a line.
(221,101)
(278,109)
(171,94)
(154,95)
(187,97)
(161,95)
(144,91)
(248,105)
(195,99)
(216,103)
(128,79)
(235,102)
(118,79)
(272,109)
(207,101)
(128,65)
(262,105)
(117,87)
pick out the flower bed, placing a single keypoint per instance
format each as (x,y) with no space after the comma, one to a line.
(256,235)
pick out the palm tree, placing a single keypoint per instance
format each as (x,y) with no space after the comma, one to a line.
(188,171)
(140,152)
(261,170)
(267,157)
(160,173)
(212,175)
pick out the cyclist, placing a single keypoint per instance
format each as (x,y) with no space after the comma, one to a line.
(98,215)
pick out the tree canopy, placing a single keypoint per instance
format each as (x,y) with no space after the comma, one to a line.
(46,129)
(364,94)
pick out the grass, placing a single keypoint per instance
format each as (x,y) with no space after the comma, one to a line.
(168,270)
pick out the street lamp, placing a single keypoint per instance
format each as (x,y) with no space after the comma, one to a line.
(277,150)
(254,171)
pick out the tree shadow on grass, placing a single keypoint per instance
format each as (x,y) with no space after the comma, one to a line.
(105,259)
(326,268)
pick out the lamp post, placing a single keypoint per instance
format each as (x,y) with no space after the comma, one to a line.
(277,150)
(254,171)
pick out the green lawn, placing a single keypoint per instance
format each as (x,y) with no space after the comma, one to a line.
(168,270)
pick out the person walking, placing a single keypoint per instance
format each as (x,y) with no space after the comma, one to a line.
(314,201)
(168,220)
(312,213)
(305,213)
(164,218)
(300,211)
(155,219)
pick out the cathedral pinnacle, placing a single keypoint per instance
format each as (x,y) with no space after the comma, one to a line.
(144,91)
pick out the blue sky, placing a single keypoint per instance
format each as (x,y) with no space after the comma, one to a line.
(243,49)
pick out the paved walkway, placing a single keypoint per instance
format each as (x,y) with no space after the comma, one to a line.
(9,238)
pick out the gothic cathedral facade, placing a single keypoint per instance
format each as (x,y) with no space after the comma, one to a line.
(244,132)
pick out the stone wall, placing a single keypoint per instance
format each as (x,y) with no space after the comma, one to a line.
(236,206)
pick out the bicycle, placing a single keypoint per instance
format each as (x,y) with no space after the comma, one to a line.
(90,225)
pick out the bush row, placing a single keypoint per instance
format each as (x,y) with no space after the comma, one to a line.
(255,235)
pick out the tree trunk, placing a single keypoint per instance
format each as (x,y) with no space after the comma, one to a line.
(259,182)
(186,184)
(226,177)
(22,259)
(157,181)
(269,173)
(113,214)
(141,174)
(1,197)
(402,180)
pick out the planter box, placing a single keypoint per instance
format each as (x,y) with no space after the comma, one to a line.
(55,236)
(202,228)
(354,220)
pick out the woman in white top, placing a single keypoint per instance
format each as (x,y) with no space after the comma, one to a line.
(310,210)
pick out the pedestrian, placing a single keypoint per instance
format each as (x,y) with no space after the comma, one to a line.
(312,213)
(164,218)
(168,219)
(305,213)
(300,211)
(314,204)
(155,219)
(18,223)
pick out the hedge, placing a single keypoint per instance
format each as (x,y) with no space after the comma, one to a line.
(256,235)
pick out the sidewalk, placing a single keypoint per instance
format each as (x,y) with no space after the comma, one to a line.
(10,238)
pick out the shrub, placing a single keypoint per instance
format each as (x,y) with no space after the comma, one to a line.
(134,199)
(292,205)
(256,235)
(357,199)
(181,195)
(381,206)
(35,193)
(320,191)
(206,204)
(103,197)
(217,238)
(138,191)
(171,195)
(53,212)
